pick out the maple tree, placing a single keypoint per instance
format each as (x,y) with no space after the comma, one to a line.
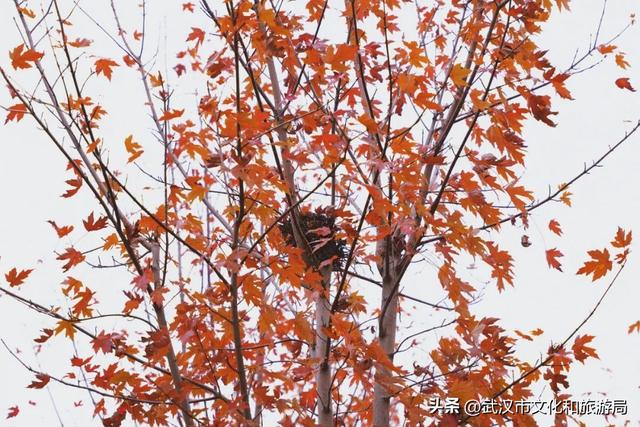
(307,167)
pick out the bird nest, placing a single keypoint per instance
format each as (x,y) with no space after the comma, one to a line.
(320,229)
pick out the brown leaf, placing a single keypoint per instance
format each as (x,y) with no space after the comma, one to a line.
(41,381)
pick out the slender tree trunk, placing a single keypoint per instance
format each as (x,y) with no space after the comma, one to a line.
(323,373)
(183,402)
(387,336)
(323,305)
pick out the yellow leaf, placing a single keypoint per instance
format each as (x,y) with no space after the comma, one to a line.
(133,148)
(459,74)
(66,327)
(156,81)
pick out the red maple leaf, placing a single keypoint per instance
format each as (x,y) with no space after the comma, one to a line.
(555,227)
(16,112)
(555,380)
(540,107)
(103,342)
(61,230)
(73,258)
(171,114)
(16,278)
(104,65)
(41,381)
(75,184)
(91,224)
(608,48)
(580,349)
(80,43)
(46,334)
(624,83)
(13,412)
(21,58)
(552,258)
(196,34)
(622,239)
(599,265)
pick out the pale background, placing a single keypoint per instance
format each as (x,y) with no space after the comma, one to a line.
(32,178)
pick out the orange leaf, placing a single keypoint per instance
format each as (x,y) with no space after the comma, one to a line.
(580,349)
(540,107)
(171,114)
(604,49)
(16,278)
(16,112)
(624,83)
(196,34)
(339,55)
(566,198)
(110,242)
(75,186)
(459,74)
(103,66)
(598,266)
(621,62)
(555,227)
(622,239)
(523,335)
(518,193)
(559,86)
(635,326)
(61,231)
(80,43)
(129,60)
(552,258)
(27,12)
(133,148)
(66,327)
(73,258)
(20,59)
(156,81)
(92,225)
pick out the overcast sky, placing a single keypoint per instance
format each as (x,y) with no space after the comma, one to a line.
(32,178)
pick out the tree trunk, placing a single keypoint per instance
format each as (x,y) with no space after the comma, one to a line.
(183,401)
(387,336)
(323,374)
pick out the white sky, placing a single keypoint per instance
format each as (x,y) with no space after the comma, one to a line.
(32,178)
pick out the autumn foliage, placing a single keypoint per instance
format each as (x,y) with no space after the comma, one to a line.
(301,163)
